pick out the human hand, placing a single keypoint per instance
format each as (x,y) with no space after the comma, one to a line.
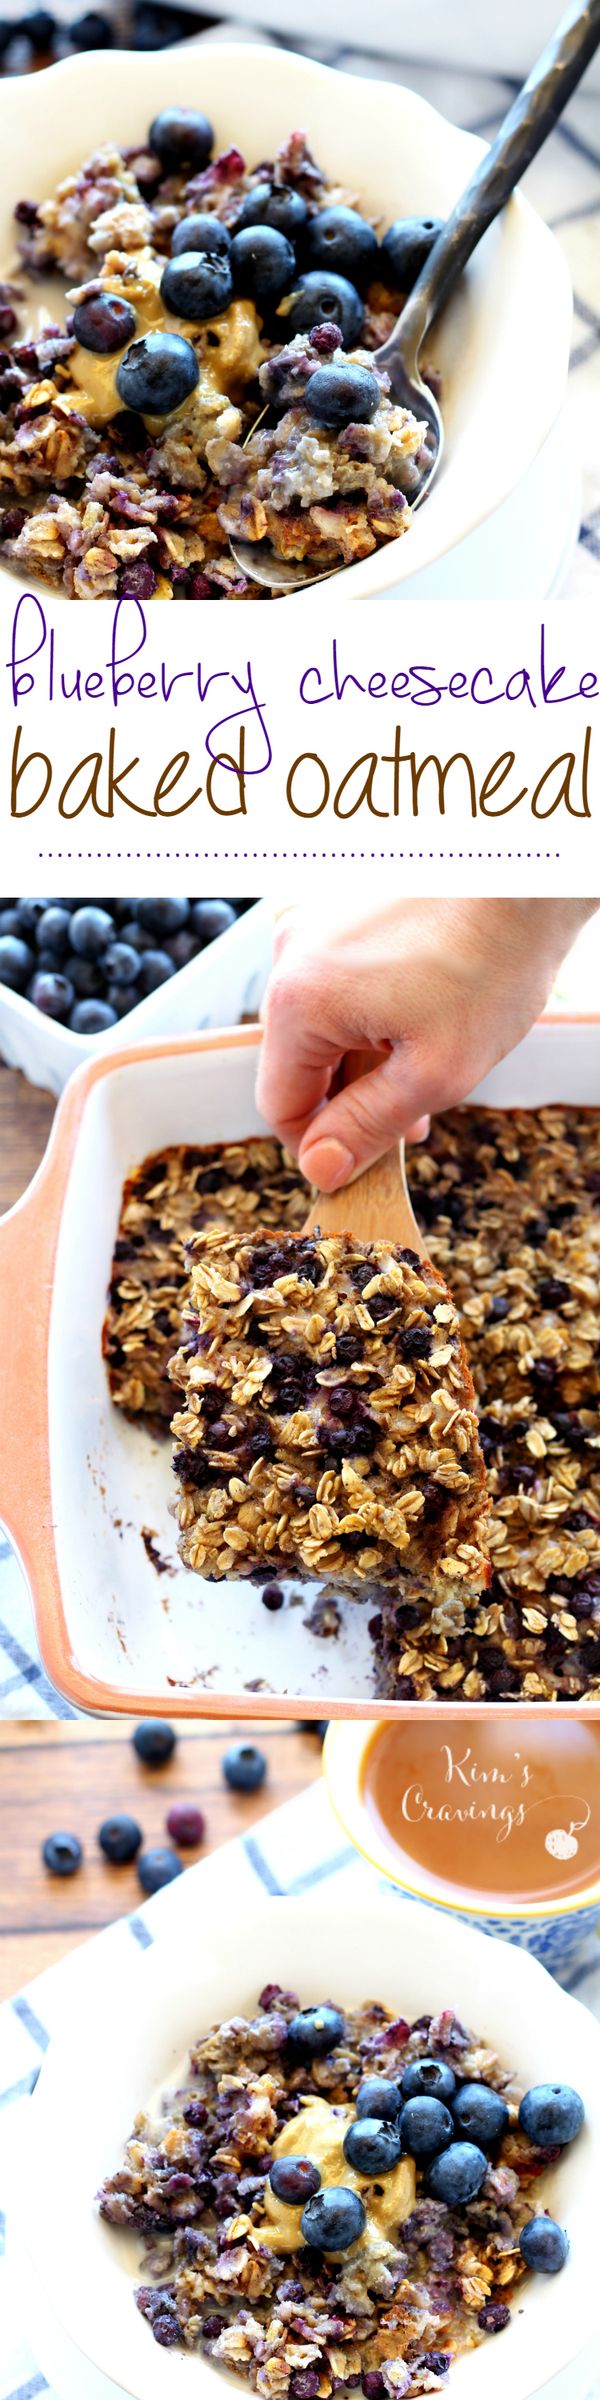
(437,990)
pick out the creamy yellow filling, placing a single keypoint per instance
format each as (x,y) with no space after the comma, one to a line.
(318,2133)
(232,340)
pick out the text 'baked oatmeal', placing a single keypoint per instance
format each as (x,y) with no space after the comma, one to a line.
(327,1427)
(336,2199)
(200,293)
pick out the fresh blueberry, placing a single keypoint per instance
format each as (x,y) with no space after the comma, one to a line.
(294,2180)
(431,2076)
(121,997)
(272,1598)
(185,1825)
(157,374)
(156,968)
(92,31)
(156,1867)
(92,1016)
(86,975)
(377,2097)
(204,233)
(121,962)
(210,918)
(339,238)
(53,930)
(180,138)
(29,912)
(551,2112)
(196,286)
(103,323)
(480,2113)
(405,249)
(91,929)
(244,1767)
(333,2219)
(16,962)
(267,204)
(120,1839)
(53,994)
(314,2031)
(425,2126)
(154,1741)
(9,922)
(543,2245)
(371,2146)
(263,264)
(62,1853)
(456,2175)
(162,915)
(326,299)
(342,394)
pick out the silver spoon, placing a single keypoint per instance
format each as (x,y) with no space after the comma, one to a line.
(531,118)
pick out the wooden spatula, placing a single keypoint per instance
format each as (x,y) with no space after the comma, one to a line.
(376,1206)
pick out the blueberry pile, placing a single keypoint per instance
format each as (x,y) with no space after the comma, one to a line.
(87,963)
(120,1837)
(451,2130)
(277,249)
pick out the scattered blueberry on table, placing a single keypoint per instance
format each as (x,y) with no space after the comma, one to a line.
(244,1767)
(157,1867)
(186,1825)
(86,964)
(154,1741)
(120,1839)
(62,1853)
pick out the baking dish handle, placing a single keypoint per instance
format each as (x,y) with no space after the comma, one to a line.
(28,1240)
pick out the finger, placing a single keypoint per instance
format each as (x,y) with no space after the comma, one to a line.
(363,1120)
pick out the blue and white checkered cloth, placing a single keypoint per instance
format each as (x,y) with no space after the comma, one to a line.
(294,1849)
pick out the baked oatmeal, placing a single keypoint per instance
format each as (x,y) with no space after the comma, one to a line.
(171,1196)
(509,1204)
(327,1426)
(289,2193)
(198,292)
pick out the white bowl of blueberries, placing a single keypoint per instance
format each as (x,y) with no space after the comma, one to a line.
(78,975)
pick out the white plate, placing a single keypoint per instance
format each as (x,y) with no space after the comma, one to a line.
(219,987)
(112,2058)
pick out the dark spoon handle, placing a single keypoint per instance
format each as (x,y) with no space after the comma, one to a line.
(531,118)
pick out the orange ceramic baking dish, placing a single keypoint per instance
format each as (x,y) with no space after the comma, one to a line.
(80,1489)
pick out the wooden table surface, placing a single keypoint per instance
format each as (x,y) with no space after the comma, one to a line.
(25,1119)
(67,1778)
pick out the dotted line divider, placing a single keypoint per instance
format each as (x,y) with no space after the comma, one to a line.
(334,855)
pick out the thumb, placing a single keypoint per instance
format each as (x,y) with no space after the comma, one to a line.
(363,1121)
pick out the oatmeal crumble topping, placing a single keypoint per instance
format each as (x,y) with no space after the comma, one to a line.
(287,1455)
(399,2305)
